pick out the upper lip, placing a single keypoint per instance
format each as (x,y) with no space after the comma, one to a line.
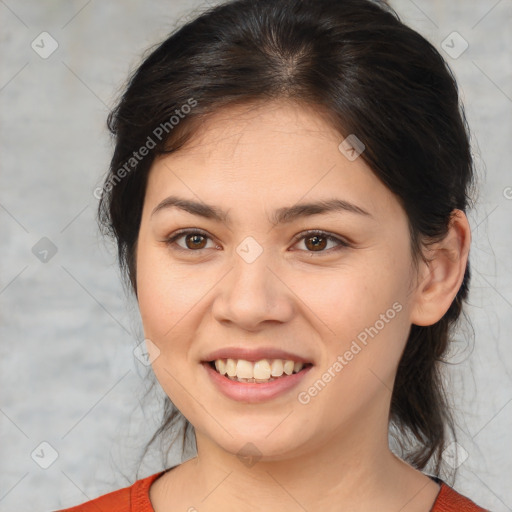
(254,354)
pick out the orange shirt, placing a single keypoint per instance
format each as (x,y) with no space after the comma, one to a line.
(135,498)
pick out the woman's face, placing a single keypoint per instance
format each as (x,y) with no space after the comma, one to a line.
(244,282)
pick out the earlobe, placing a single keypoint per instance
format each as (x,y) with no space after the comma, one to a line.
(441,278)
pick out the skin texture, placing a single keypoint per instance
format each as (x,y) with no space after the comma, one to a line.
(250,160)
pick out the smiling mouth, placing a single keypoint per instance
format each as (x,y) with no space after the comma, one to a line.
(261,372)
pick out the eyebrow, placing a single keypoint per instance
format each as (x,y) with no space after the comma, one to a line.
(279,216)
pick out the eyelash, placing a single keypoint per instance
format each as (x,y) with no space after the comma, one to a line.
(305,234)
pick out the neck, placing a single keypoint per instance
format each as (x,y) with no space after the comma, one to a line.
(349,468)
(354,468)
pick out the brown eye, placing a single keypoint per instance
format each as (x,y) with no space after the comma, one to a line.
(195,241)
(316,242)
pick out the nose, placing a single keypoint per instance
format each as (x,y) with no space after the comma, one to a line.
(253,293)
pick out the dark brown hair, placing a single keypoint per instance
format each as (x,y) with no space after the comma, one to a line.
(370,75)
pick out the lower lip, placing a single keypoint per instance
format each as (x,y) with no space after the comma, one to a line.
(253,392)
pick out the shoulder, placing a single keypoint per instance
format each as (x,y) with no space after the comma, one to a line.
(132,498)
(449,500)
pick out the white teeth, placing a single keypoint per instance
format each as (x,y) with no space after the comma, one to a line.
(220,366)
(231,367)
(261,371)
(244,369)
(288,367)
(276,368)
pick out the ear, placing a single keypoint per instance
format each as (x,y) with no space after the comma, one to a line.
(440,278)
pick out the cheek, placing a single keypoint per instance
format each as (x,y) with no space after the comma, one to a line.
(164,304)
(167,291)
(359,363)
(349,299)
(159,300)
(363,319)
(150,290)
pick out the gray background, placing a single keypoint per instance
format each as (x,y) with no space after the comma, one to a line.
(68,372)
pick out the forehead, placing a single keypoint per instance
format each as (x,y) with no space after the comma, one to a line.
(278,151)
(280,124)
